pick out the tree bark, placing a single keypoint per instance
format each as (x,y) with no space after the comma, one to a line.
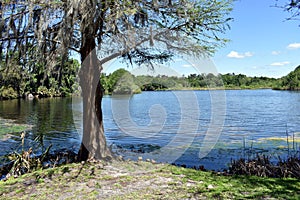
(93,139)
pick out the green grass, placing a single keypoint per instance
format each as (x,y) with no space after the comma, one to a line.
(242,186)
(143,180)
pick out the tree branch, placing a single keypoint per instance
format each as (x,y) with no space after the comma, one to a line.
(120,53)
(16,38)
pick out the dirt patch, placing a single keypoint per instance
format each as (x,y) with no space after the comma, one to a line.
(116,180)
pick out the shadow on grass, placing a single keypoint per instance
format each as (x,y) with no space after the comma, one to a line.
(241,186)
(253,186)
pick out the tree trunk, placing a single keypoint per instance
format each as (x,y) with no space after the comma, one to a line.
(93,139)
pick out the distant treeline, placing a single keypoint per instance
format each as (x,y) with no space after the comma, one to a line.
(18,80)
(122,81)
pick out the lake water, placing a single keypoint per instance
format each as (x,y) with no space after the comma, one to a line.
(183,127)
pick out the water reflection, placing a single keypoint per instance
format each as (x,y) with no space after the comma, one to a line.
(51,120)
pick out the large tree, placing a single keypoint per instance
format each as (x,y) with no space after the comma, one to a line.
(140,31)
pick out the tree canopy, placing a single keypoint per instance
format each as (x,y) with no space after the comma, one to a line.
(292,80)
(290,6)
(48,29)
(293,6)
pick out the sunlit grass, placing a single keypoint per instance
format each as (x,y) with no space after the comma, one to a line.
(241,186)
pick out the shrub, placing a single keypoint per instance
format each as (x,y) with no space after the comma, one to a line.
(43,91)
(8,93)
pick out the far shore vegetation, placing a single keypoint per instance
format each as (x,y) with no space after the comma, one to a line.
(15,82)
(121,81)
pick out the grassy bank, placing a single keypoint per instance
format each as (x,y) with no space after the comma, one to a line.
(142,180)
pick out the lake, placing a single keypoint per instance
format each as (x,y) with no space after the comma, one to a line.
(193,128)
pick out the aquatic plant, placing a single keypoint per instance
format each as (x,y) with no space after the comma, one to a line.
(261,165)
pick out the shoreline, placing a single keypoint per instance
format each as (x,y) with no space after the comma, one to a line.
(159,90)
(59,157)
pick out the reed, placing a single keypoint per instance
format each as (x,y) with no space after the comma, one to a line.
(261,165)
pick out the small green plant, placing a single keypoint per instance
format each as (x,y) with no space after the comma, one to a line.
(24,162)
(21,162)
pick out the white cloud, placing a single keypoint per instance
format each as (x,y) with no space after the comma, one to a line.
(294,46)
(280,63)
(276,53)
(234,54)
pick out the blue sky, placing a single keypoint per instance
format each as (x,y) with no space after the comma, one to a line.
(262,42)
